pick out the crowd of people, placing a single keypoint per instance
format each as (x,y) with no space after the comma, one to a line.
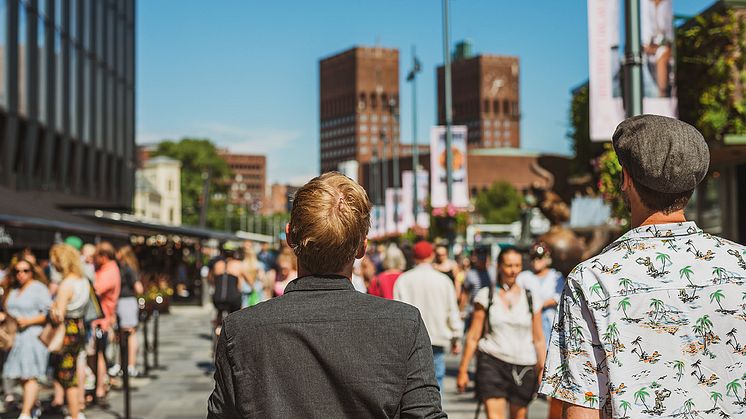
(59,313)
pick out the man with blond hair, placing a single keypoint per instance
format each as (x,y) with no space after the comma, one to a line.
(323,350)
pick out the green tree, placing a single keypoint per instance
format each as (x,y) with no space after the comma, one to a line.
(657,306)
(595,289)
(679,367)
(641,395)
(663,259)
(715,396)
(199,157)
(689,405)
(579,134)
(500,204)
(591,399)
(625,283)
(623,305)
(625,405)
(733,387)
(717,296)
(687,272)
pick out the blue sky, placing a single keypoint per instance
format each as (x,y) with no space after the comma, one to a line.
(245,73)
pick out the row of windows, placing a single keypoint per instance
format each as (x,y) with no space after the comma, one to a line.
(349,151)
(244,186)
(350,129)
(372,100)
(246,167)
(241,177)
(337,121)
(338,142)
(509,108)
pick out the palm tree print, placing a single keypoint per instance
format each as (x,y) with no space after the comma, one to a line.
(591,399)
(625,283)
(719,273)
(715,396)
(688,405)
(679,367)
(641,395)
(663,259)
(698,366)
(657,306)
(717,296)
(623,305)
(595,289)
(625,405)
(733,341)
(686,272)
(703,328)
(733,387)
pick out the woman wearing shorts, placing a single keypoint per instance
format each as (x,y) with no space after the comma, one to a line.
(506,333)
(128,310)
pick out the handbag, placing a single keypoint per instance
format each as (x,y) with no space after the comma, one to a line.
(8,329)
(93,309)
(53,336)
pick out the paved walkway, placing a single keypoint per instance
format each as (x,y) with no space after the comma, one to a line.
(179,390)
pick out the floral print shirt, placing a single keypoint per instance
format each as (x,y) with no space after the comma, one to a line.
(655,326)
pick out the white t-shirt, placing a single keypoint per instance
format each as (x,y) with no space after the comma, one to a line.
(510,338)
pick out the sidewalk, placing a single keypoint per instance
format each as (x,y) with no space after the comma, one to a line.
(180,388)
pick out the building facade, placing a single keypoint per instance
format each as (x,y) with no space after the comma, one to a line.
(67,100)
(485,98)
(358,106)
(158,191)
(248,184)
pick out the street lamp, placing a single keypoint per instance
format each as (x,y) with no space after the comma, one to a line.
(394,110)
(448,103)
(384,175)
(412,77)
(632,59)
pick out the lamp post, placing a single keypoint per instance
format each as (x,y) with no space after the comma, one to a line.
(384,175)
(448,104)
(394,110)
(412,77)
(632,59)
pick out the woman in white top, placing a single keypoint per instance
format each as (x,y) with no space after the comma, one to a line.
(507,334)
(69,308)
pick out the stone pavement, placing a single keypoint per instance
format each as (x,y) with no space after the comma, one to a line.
(180,388)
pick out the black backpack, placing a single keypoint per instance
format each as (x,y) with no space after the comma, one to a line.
(227,296)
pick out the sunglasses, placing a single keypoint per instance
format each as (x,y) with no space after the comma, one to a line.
(23,270)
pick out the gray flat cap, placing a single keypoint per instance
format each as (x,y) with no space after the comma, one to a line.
(664,154)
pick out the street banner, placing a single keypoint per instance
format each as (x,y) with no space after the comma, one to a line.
(376,222)
(438,192)
(407,181)
(606,54)
(394,212)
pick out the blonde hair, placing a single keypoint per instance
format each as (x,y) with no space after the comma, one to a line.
(66,259)
(329,222)
(126,255)
(394,258)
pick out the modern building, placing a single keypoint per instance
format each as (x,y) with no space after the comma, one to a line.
(248,185)
(358,106)
(67,101)
(158,191)
(485,97)
(280,199)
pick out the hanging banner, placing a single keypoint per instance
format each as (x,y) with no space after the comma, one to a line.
(394,212)
(438,192)
(407,181)
(376,222)
(606,54)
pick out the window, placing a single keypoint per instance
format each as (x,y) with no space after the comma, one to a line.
(506,107)
(496,106)
(363,139)
(486,106)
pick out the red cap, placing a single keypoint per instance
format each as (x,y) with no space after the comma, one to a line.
(422,250)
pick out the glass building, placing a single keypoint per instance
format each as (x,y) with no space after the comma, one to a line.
(67,100)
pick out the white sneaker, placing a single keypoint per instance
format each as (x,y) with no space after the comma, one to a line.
(25,417)
(80,416)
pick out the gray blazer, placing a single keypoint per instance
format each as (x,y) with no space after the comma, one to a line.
(324,350)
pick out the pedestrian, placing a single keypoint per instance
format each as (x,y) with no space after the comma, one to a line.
(128,309)
(393,265)
(27,301)
(506,335)
(545,283)
(286,272)
(477,278)
(433,293)
(252,287)
(69,307)
(653,326)
(323,349)
(108,284)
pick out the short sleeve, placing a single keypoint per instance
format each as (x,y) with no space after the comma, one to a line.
(559,286)
(43,299)
(571,371)
(483,297)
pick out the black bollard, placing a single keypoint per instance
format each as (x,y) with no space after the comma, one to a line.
(145,347)
(156,316)
(125,360)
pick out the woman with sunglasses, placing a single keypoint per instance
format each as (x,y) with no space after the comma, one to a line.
(28,303)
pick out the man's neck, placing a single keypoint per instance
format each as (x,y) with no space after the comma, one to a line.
(644,218)
(345,272)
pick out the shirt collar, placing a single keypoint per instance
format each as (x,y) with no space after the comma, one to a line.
(660,231)
(320,283)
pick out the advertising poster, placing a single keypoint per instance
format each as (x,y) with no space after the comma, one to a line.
(438,192)
(407,181)
(606,55)
(376,222)
(394,212)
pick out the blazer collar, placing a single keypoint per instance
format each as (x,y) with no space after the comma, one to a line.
(319,283)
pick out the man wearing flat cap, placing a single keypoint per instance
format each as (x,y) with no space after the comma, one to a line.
(655,325)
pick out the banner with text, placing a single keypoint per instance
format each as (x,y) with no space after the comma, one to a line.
(605,56)
(394,212)
(407,181)
(438,187)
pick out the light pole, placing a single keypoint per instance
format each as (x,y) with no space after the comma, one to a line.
(632,59)
(384,176)
(448,99)
(394,110)
(412,77)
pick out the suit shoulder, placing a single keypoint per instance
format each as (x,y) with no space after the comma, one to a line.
(390,308)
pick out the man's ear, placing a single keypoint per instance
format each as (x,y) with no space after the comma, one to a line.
(361,251)
(287,235)
(626,180)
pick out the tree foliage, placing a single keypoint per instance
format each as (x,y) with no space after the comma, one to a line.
(500,204)
(711,71)
(580,133)
(199,157)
